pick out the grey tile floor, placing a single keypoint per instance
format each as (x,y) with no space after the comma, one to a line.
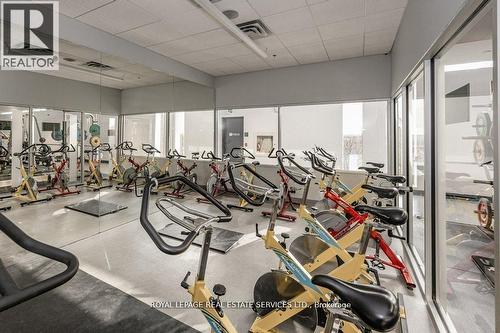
(117,250)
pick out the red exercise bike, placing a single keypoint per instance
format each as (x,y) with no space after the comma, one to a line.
(182,170)
(339,225)
(286,199)
(217,181)
(60,180)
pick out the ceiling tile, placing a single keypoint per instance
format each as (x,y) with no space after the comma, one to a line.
(154,33)
(381,37)
(269,44)
(313,2)
(293,20)
(300,37)
(376,49)
(178,46)
(125,16)
(232,50)
(196,57)
(74,8)
(267,7)
(168,8)
(79,51)
(342,48)
(384,21)
(309,53)
(245,11)
(337,10)
(249,60)
(224,66)
(341,29)
(192,22)
(281,58)
(214,38)
(378,6)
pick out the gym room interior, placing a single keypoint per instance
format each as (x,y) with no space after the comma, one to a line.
(263,166)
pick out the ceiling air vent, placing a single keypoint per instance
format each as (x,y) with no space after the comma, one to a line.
(97,65)
(255,29)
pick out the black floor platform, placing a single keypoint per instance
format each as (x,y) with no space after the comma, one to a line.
(86,304)
(96,207)
(222,240)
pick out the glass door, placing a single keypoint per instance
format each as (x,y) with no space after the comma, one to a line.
(416,170)
(464,122)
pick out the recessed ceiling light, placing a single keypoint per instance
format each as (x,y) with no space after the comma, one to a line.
(231,14)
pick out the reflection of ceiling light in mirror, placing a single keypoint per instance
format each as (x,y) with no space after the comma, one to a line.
(39,109)
(468,66)
(6,113)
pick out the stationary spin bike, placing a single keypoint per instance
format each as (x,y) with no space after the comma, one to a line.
(217,181)
(241,154)
(28,191)
(182,170)
(371,307)
(60,180)
(286,298)
(95,180)
(117,160)
(286,199)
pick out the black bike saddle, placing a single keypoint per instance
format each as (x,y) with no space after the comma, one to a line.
(376,306)
(393,178)
(388,215)
(382,192)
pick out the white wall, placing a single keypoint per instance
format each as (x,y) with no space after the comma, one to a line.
(422,23)
(27,88)
(181,96)
(344,80)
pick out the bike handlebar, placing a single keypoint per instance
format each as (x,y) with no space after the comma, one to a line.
(280,151)
(176,154)
(11,294)
(240,192)
(105,146)
(242,151)
(193,233)
(327,155)
(3,152)
(149,149)
(317,165)
(41,149)
(291,175)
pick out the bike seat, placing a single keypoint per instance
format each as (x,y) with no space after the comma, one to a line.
(377,165)
(388,215)
(382,192)
(256,163)
(376,306)
(370,170)
(395,179)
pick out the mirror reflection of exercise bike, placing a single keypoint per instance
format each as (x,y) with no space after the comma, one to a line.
(371,307)
(134,171)
(60,180)
(95,179)
(217,181)
(117,160)
(27,192)
(242,154)
(182,170)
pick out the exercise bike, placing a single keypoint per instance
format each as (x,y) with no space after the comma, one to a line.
(60,180)
(95,179)
(217,181)
(11,293)
(484,211)
(286,201)
(118,160)
(371,307)
(27,191)
(385,219)
(135,170)
(241,153)
(182,170)
(292,283)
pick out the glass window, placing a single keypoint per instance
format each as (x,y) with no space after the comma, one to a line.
(146,128)
(400,143)
(465,200)
(255,129)
(416,163)
(355,132)
(191,132)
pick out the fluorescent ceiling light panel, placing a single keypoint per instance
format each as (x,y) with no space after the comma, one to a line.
(468,66)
